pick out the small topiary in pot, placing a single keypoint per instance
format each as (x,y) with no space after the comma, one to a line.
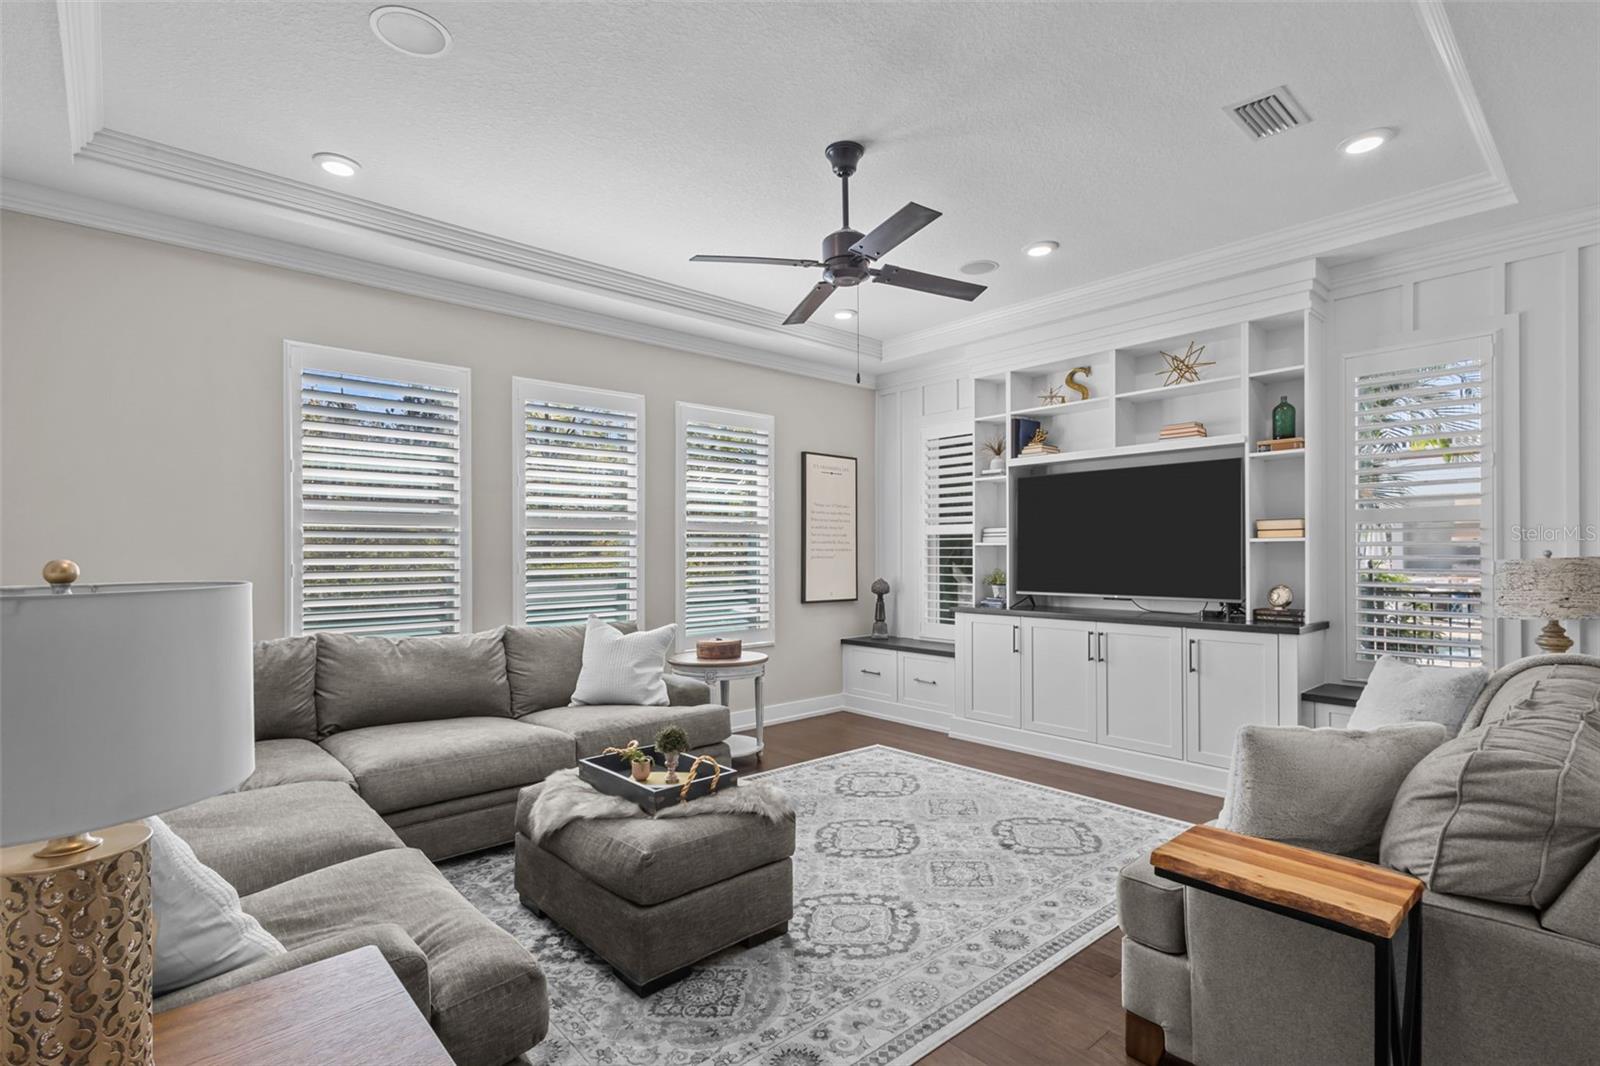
(670,743)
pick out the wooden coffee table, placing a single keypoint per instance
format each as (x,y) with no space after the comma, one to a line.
(751,664)
(1355,899)
(350,1009)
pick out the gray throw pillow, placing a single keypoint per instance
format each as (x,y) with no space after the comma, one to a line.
(1398,691)
(201,931)
(366,681)
(286,688)
(1509,811)
(1324,789)
(543,663)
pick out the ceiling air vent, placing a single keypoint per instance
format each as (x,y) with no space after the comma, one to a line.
(1273,112)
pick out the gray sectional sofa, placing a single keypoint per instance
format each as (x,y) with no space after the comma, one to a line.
(376,757)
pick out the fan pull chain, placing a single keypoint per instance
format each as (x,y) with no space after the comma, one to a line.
(858,334)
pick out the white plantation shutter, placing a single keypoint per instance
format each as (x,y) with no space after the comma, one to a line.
(947,527)
(579,526)
(725,516)
(378,493)
(1417,487)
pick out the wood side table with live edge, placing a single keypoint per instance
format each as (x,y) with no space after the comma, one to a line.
(752,664)
(349,1009)
(1353,898)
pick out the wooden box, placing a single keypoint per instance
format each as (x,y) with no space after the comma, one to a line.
(717,648)
(610,774)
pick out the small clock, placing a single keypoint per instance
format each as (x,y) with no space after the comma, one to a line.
(1280,595)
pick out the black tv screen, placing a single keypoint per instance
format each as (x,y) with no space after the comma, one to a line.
(1174,531)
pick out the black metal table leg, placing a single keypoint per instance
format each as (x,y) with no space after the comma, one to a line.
(1412,1030)
(1382,1001)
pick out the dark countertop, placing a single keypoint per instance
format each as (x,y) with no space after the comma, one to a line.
(1151,618)
(1344,695)
(911,644)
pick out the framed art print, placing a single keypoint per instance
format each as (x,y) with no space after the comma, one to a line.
(828,528)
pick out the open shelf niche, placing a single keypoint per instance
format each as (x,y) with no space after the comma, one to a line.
(1254,364)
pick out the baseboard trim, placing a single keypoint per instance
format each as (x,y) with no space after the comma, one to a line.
(1207,779)
(789,711)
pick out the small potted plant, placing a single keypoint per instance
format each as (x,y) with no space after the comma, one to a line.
(639,762)
(997,449)
(670,743)
(997,583)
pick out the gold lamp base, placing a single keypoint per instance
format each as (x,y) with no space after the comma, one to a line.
(1553,639)
(80,949)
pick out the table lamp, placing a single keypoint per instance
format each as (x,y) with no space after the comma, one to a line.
(1551,589)
(116,702)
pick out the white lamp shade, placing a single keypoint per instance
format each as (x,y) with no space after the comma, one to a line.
(120,701)
(1564,588)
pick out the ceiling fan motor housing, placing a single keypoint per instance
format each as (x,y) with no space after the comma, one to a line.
(844,267)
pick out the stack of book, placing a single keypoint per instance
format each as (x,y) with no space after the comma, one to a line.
(1040,448)
(1282,616)
(1280,528)
(992,603)
(1179,430)
(993,535)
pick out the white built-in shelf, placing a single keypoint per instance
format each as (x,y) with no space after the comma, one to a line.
(1277,540)
(1062,408)
(1228,440)
(989,477)
(1279,373)
(1286,453)
(1001,417)
(1187,388)
(991,544)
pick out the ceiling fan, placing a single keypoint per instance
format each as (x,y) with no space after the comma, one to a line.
(847,256)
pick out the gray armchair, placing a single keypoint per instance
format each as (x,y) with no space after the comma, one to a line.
(1214,982)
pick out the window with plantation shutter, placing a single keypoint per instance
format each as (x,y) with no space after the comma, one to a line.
(378,493)
(580,523)
(1417,489)
(947,527)
(725,524)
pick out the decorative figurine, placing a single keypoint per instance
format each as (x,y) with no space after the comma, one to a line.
(880,620)
(1185,367)
(1077,386)
(1280,596)
(1052,396)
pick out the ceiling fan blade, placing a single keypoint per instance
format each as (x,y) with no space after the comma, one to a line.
(896,228)
(915,279)
(759,259)
(809,305)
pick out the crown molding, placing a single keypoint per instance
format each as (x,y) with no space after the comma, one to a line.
(79,23)
(1578,227)
(79,210)
(1436,24)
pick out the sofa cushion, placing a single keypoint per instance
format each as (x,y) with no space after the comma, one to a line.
(543,663)
(604,726)
(1325,789)
(1512,683)
(624,668)
(286,688)
(488,994)
(265,836)
(1509,811)
(1576,912)
(1150,908)
(200,930)
(287,762)
(367,681)
(1398,691)
(413,764)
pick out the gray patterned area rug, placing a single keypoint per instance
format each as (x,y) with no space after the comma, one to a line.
(926,894)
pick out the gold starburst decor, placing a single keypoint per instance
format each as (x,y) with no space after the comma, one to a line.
(1052,396)
(1185,367)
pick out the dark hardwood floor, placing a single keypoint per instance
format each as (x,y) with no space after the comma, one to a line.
(1073,1014)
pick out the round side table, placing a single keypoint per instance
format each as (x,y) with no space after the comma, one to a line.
(751,664)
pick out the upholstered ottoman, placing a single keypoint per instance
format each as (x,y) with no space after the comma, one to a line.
(655,896)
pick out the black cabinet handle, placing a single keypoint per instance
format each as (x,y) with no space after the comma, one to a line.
(872,673)
(1102,647)
(1191,656)
(924,681)
(1088,643)
(1014,647)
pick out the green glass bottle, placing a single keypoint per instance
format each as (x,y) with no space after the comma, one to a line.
(1283,419)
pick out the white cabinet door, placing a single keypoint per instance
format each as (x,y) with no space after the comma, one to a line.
(927,681)
(1231,679)
(993,670)
(1141,688)
(870,671)
(1060,671)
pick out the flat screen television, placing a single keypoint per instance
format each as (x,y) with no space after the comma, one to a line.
(1172,531)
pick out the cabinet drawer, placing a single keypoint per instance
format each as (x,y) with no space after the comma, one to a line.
(928,681)
(1326,715)
(870,671)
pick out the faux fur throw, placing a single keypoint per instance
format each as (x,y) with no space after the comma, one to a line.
(566,798)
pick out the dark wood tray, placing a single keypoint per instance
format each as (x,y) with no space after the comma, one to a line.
(609,774)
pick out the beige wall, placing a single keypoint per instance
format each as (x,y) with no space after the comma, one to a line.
(143,428)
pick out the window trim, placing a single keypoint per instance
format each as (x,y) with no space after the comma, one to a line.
(565,393)
(351,361)
(930,431)
(685,412)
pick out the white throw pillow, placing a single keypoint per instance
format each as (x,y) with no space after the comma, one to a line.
(624,668)
(200,930)
(1398,691)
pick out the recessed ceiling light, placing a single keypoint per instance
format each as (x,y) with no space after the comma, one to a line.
(980,266)
(1362,143)
(339,166)
(1040,249)
(410,31)
(844,315)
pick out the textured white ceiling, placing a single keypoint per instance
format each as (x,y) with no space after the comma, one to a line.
(636,135)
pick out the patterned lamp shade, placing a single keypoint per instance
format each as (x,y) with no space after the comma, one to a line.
(1547,588)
